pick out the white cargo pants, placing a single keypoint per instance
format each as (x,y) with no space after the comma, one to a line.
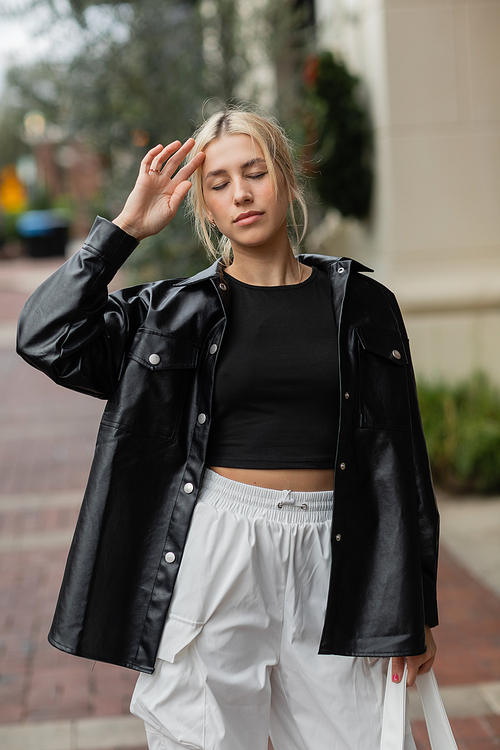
(238,660)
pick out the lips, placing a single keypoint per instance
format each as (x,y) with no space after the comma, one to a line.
(248,218)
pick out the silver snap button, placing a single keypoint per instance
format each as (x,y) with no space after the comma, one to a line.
(341,269)
(304,506)
(346,395)
(396,354)
(169,557)
(338,537)
(202,418)
(342,466)
(154,359)
(188,488)
(223,287)
(213,349)
(280,505)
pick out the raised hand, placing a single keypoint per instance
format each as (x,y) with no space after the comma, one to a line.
(159,190)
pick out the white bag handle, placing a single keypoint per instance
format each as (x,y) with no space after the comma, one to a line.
(396,734)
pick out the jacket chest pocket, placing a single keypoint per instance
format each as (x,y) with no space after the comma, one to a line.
(153,385)
(383,389)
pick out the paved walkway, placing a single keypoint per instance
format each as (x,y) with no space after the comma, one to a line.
(52,701)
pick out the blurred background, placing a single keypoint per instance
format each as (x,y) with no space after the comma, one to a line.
(394,110)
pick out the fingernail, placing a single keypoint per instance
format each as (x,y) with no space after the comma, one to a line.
(395,678)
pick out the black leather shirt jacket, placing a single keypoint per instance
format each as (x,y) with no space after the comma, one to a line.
(151,352)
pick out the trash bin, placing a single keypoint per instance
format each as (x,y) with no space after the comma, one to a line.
(44,233)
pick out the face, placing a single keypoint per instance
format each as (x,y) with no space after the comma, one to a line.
(239,194)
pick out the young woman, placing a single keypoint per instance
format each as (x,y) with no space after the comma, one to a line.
(261,448)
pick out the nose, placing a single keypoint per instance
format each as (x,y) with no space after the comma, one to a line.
(242,192)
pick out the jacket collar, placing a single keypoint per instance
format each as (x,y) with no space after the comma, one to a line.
(212,272)
(328,261)
(321,261)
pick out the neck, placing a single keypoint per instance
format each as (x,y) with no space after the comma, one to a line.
(275,265)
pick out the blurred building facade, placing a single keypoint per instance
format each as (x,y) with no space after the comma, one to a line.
(431,72)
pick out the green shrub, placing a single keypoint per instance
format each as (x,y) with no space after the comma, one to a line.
(338,128)
(462,429)
(8,228)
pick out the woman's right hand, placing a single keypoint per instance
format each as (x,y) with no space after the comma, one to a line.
(158,192)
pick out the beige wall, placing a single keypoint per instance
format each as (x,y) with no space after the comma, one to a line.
(432,70)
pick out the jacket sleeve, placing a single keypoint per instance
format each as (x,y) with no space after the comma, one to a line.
(70,328)
(428,515)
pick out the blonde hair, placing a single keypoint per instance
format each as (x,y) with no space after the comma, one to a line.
(276,147)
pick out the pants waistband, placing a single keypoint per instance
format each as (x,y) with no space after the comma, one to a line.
(283,506)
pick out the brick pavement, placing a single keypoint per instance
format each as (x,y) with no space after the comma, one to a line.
(46,441)
(47,437)
(468,640)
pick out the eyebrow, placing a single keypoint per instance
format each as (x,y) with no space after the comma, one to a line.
(246,165)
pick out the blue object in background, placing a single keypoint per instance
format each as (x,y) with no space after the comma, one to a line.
(45,233)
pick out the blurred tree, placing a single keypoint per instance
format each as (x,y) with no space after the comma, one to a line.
(136,80)
(339,132)
(11,144)
(145,72)
(291,26)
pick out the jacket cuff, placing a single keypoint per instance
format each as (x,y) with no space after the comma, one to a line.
(110,242)
(430,605)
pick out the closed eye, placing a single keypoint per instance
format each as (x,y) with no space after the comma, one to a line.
(255,176)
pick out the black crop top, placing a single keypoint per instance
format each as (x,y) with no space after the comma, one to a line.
(276,392)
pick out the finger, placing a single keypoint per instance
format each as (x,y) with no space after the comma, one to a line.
(155,158)
(165,156)
(426,666)
(398,666)
(179,194)
(175,160)
(412,672)
(189,168)
(147,161)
